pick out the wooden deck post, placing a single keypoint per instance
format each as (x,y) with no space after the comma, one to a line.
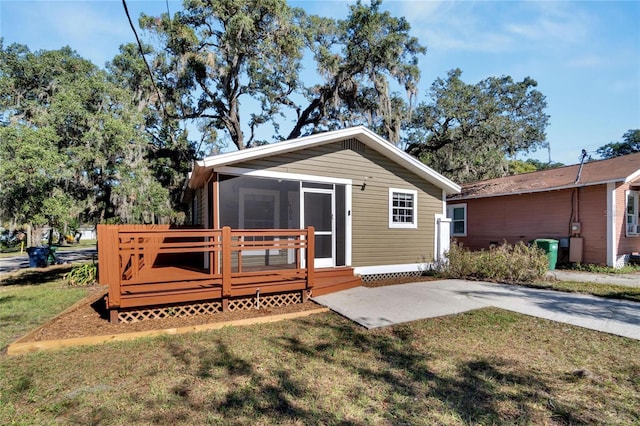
(226,262)
(311,255)
(109,261)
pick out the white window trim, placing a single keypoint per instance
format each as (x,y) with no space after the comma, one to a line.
(636,213)
(414,194)
(450,208)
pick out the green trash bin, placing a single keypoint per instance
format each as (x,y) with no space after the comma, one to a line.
(550,247)
(51,255)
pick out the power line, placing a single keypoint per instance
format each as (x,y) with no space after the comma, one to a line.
(133,28)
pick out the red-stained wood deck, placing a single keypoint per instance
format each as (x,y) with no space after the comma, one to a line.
(153,265)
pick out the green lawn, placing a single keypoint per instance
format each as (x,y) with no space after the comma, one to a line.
(26,307)
(483,367)
(609,291)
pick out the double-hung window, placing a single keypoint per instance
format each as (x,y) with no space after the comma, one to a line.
(403,208)
(458,215)
(633,227)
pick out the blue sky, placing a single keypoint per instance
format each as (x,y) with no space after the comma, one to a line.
(585,55)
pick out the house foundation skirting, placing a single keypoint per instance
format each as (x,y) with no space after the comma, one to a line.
(387,272)
(389,276)
(210,307)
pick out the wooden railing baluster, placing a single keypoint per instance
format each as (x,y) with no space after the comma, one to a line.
(226,261)
(311,246)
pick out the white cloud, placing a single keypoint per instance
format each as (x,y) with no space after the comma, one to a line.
(552,23)
(495,27)
(586,61)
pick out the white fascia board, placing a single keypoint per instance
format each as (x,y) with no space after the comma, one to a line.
(394,153)
(279,147)
(238,171)
(632,176)
(363,134)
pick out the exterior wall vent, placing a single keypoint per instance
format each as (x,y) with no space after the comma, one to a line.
(353,145)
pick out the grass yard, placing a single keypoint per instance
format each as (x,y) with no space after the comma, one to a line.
(609,291)
(26,307)
(483,367)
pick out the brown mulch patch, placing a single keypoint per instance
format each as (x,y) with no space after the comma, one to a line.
(89,317)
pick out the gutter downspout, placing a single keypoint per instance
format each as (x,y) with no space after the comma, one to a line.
(612,240)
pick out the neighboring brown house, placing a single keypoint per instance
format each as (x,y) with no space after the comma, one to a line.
(592,210)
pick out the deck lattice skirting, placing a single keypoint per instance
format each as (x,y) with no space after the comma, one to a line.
(205,308)
(210,308)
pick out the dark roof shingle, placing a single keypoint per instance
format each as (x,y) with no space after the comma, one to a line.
(618,169)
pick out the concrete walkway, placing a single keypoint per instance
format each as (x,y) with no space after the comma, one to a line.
(383,306)
(629,280)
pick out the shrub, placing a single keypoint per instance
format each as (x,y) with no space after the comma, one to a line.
(504,263)
(82,275)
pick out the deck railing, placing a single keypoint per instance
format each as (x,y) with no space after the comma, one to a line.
(145,265)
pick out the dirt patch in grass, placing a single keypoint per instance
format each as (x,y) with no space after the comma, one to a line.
(89,317)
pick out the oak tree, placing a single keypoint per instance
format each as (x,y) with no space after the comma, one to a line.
(467,131)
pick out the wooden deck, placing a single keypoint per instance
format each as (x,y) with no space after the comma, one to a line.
(153,265)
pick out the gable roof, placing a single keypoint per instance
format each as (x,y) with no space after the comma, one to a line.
(619,169)
(370,139)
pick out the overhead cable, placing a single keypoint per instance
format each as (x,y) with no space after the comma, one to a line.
(126,11)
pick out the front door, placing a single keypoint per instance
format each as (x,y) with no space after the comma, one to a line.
(318,208)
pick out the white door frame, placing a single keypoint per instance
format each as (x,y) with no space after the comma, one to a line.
(326,262)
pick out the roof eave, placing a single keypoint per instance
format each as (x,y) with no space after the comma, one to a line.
(413,164)
(532,191)
(632,176)
(366,136)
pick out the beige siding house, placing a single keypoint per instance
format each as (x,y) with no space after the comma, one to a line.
(373,207)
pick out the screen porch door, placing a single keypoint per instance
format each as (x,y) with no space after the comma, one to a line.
(319,211)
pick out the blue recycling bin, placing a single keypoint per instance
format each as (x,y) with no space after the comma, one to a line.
(38,256)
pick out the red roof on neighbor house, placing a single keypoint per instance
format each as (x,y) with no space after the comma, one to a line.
(619,169)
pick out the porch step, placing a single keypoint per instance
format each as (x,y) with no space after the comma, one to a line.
(342,271)
(334,279)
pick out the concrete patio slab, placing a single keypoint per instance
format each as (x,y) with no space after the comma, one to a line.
(383,306)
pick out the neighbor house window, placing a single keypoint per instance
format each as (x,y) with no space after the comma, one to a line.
(633,228)
(458,215)
(403,208)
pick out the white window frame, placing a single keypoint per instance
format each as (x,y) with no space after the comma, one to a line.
(450,209)
(633,228)
(414,208)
